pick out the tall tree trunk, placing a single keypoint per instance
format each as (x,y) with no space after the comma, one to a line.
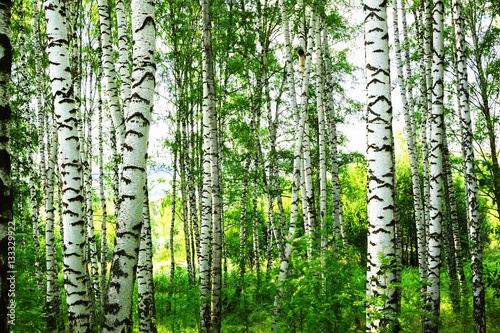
(453,218)
(90,215)
(209,207)
(102,195)
(380,170)
(77,297)
(422,235)
(7,228)
(408,109)
(123,54)
(243,227)
(32,172)
(322,134)
(255,225)
(118,306)
(50,246)
(300,121)
(469,175)
(185,216)
(338,214)
(436,167)
(145,292)
(449,249)
(109,72)
(209,95)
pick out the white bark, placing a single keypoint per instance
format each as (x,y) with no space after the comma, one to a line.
(118,306)
(408,106)
(322,134)
(77,297)
(109,73)
(380,172)
(436,168)
(145,272)
(296,170)
(207,209)
(469,175)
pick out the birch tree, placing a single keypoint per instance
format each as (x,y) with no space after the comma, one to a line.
(109,71)
(145,289)
(436,167)
(469,175)
(409,116)
(300,121)
(77,297)
(118,306)
(380,170)
(209,206)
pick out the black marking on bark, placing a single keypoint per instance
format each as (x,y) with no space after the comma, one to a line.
(147,20)
(147,76)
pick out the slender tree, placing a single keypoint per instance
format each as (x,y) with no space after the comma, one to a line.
(118,306)
(408,106)
(208,214)
(77,297)
(380,170)
(469,175)
(436,168)
(145,272)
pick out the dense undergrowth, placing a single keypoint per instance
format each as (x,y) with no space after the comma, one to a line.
(312,306)
(310,303)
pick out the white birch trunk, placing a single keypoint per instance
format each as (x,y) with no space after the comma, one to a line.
(109,73)
(118,306)
(408,106)
(145,272)
(123,55)
(469,175)
(207,208)
(102,195)
(50,246)
(322,135)
(338,214)
(243,227)
(436,168)
(296,168)
(77,297)
(380,172)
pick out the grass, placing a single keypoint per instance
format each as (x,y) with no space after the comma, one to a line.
(303,307)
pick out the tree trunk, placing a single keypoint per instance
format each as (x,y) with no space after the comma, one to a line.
(380,171)
(118,306)
(243,228)
(145,292)
(436,168)
(123,54)
(50,246)
(296,167)
(469,176)
(408,109)
(208,209)
(322,136)
(422,234)
(255,226)
(102,195)
(109,71)
(338,214)
(172,219)
(77,297)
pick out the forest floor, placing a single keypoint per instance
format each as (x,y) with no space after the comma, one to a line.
(177,307)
